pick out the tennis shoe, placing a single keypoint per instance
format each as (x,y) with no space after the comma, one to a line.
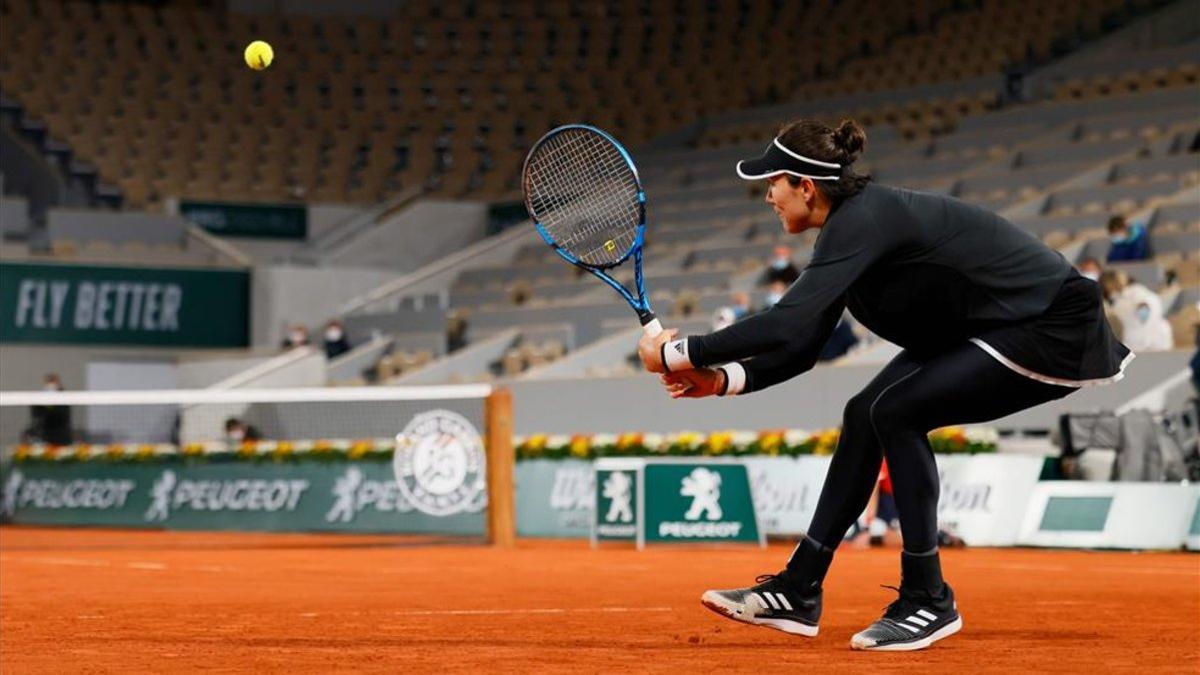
(773,602)
(914,621)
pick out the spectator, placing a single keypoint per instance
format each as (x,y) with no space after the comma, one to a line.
(1129,242)
(1147,332)
(49,424)
(1124,297)
(1090,268)
(336,343)
(738,309)
(297,336)
(781,272)
(237,431)
(456,331)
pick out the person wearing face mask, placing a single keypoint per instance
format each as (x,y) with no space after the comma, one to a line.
(49,424)
(738,309)
(1124,295)
(991,322)
(781,272)
(1090,268)
(1129,242)
(297,336)
(1147,331)
(336,343)
(237,431)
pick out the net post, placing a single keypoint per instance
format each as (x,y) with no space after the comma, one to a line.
(498,429)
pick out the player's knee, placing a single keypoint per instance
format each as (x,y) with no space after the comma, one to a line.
(888,416)
(857,411)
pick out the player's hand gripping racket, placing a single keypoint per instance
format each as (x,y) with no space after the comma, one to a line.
(584,195)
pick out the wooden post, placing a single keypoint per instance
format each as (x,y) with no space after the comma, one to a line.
(501,460)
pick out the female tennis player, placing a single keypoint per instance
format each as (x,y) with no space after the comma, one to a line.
(990,320)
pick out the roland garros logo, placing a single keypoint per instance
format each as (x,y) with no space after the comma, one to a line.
(439,463)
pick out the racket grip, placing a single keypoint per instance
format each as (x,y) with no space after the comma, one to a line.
(650,325)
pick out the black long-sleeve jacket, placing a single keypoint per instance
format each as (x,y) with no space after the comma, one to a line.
(921,270)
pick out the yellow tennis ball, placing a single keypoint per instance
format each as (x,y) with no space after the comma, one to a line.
(259,55)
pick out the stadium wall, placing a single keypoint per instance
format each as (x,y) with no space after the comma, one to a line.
(282,295)
(414,236)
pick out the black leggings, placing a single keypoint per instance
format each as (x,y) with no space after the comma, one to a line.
(909,398)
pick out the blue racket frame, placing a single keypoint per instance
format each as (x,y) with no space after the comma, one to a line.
(640,304)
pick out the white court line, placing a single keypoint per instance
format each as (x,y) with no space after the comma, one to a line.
(546,610)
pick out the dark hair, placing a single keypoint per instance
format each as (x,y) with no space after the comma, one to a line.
(820,141)
(1117,223)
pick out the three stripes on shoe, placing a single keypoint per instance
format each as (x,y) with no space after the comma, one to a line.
(776,600)
(920,620)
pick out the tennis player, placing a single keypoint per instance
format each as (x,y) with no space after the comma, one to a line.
(990,320)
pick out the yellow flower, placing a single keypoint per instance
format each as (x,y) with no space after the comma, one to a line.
(322,446)
(283,449)
(248,448)
(720,442)
(22,453)
(145,451)
(827,442)
(629,440)
(359,448)
(770,441)
(580,446)
(193,449)
(50,452)
(83,451)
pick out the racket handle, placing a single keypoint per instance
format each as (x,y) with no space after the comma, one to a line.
(650,325)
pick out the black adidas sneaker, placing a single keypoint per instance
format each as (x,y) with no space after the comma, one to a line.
(773,603)
(914,621)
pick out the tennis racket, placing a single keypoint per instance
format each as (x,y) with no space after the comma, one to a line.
(586,200)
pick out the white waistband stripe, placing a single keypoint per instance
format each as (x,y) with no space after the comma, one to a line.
(1049,379)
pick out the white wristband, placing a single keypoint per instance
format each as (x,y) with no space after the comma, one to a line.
(735,378)
(675,356)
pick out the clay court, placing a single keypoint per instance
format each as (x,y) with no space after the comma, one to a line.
(109,601)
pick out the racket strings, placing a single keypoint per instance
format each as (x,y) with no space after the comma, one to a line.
(589,221)
(585,195)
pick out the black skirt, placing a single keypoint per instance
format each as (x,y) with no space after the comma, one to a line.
(1070,344)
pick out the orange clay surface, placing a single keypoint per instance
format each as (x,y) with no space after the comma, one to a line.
(121,601)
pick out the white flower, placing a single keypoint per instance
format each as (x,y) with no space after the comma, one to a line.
(558,441)
(600,440)
(653,441)
(743,438)
(796,436)
(981,434)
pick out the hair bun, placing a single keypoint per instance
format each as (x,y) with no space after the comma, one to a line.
(850,139)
